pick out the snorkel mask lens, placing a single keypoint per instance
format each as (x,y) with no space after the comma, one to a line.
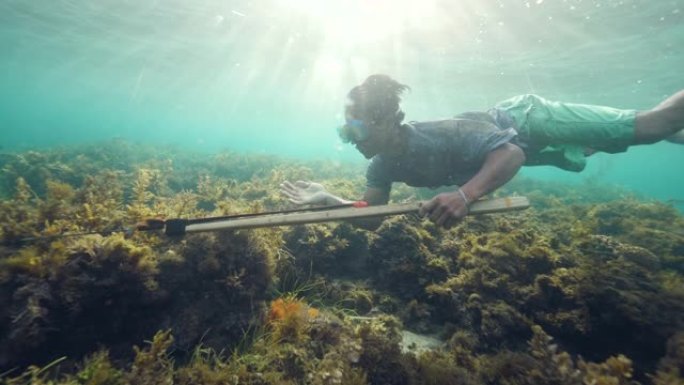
(353,131)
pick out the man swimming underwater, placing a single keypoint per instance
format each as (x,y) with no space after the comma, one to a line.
(480,151)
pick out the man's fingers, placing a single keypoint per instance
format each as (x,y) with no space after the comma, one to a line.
(436,212)
(302,183)
(286,190)
(426,208)
(293,192)
(289,194)
(285,186)
(448,219)
(444,219)
(296,201)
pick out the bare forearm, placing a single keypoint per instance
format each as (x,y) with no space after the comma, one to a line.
(373,196)
(446,209)
(499,167)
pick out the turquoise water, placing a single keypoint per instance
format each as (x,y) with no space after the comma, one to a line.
(271,76)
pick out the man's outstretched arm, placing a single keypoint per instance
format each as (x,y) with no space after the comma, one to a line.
(312,193)
(499,167)
(304,192)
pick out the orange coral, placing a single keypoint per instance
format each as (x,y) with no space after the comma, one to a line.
(289,307)
(289,318)
(283,308)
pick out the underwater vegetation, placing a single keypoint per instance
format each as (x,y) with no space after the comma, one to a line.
(586,287)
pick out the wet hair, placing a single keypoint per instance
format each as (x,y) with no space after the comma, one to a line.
(376,100)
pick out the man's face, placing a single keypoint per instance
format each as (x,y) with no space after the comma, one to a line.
(369,135)
(375,141)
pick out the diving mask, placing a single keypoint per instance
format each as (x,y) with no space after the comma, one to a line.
(354,131)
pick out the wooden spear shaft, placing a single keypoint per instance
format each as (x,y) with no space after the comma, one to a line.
(487,206)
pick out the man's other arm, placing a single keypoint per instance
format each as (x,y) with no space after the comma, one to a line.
(500,165)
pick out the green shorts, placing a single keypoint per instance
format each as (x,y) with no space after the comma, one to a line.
(546,125)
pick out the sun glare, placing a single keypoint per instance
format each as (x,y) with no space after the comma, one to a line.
(357,37)
(357,22)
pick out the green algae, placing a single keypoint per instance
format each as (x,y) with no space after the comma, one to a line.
(604,278)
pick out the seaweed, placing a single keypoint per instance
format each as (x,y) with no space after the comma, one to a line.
(584,288)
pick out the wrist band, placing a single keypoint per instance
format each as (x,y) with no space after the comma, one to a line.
(464,196)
